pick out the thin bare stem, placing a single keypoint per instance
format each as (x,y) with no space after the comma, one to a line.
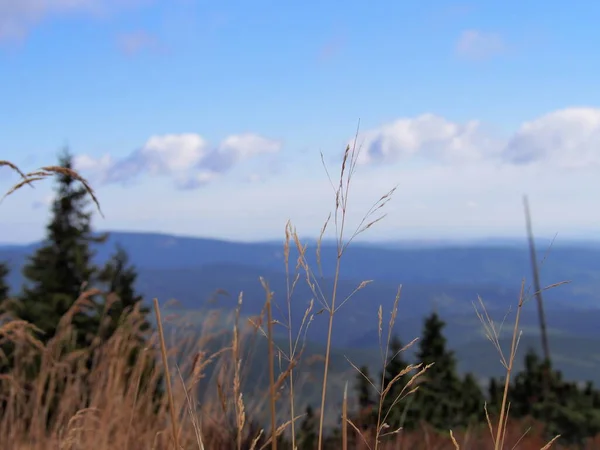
(163,348)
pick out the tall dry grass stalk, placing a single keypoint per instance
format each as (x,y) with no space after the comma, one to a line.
(413,372)
(340,215)
(43,173)
(163,349)
(492,333)
(72,404)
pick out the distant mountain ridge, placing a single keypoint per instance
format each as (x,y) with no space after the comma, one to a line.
(437,275)
(446,278)
(479,268)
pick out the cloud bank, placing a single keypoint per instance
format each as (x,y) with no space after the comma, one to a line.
(186,158)
(564,139)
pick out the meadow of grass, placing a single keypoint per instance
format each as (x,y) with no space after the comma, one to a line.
(208,402)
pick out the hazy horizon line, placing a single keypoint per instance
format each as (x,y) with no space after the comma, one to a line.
(409,241)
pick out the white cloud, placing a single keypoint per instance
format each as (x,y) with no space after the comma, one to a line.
(427,136)
(86,162)
(479,194)
(479,45)
(186,158)
(434,201)
(173,153)
(567,138)
(479,199)
(17,17)
(196,179)
(245,146)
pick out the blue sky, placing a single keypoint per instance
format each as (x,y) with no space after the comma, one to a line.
(207,118)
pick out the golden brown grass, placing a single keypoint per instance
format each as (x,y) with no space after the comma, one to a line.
(43,173)
(111,411)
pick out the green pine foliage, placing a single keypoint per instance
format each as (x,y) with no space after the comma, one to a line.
(4,291)
(307,434)
(565,408)
(366,416)
(438,400)
(59,271)
(495,392)
(5,347)
(119,278)
(472,400)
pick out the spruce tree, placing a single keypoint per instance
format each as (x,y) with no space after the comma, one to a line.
(4,290)
(527,387)
(307,435)
(5,347)
(366,402)
(472,397)
(118,278)
(55,277)
(563,407)
(495,392)
(438,399)
(59,271)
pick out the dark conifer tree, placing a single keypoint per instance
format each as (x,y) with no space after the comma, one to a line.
(307,434)
(495,393)
(472,409)
(366,401)
(60,270)
(527,387)
(364,388)
(56,275)
(4,290)
(563,407)
(438,399)
(118,278)
(6,347)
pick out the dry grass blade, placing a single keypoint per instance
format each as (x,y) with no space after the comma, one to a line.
(22,183)
(489,423)
(549,444)
(367,379)
(272,393)
(193,418)
(362,285)
(454,442)
(359,433)
(163,347)
(47,172)
(278,432)
(14,167)
(75,175)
